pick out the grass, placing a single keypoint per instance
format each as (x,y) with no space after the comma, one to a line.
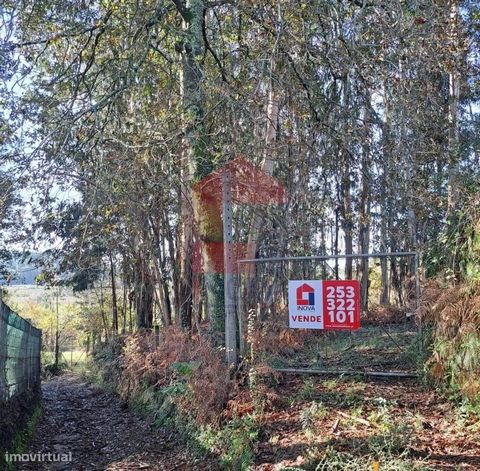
(232,442)
(386,449)
(343,423)
(388,347)
(75,361)
(310,415)
(22,438)
(67,357)
(307,392)
(38,294)
(333,460)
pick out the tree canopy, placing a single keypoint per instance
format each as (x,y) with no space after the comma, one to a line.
(366,112)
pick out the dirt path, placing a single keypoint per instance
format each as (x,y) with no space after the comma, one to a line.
(103,435)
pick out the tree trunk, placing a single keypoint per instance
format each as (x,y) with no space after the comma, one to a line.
(144,292)
(161,286)
(347,221)
(124,308)
(335,245)
(257,218)
(267,167)
(104,315)
(384,199)
(114,297)
(198,164)
(345,186)
(57,336)
(453,107)
(364,224)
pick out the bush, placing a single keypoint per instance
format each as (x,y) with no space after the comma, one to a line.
(53,369)
(179,359)
(185,384)
(234,442)
(454,315)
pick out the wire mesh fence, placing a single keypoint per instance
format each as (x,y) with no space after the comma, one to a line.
(72,352)
(388,339)
(20,344)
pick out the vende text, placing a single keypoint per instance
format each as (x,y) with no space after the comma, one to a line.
(307,318)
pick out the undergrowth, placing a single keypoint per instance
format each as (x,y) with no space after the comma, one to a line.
(333,460)
(454,316)
(21,440)
(389,448)
(182,383)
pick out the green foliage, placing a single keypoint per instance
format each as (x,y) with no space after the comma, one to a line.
(456,253)
(455,347)
(334,460)
(233,442)
(418,350)
(156,404)
(22,438)
(306,393)
(389,446)
(468,415)
(308,390)
(185,369)
(104,368)
(310,415)
(330,384)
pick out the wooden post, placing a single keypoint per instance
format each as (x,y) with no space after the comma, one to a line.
(230,322)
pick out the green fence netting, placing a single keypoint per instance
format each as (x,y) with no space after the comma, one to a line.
(19,354)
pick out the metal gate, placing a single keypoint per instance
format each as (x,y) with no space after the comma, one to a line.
(388,341)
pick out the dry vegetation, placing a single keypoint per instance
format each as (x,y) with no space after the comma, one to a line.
(179,357)
(262,417)
(454,316)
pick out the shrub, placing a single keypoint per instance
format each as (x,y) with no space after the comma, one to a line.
(454,314)
(184,383)
(178,358)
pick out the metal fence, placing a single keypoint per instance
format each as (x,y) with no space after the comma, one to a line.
(388,340)
(19,354)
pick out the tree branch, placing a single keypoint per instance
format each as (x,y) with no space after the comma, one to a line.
(209,48)
(182,9)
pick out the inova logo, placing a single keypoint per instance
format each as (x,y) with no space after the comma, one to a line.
(305,297)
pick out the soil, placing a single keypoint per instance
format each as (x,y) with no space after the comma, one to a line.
(439,435)
(101,434)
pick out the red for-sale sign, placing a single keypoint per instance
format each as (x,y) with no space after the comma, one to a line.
(329,304)
(341,304)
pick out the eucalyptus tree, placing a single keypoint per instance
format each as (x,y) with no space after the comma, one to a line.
(131,103)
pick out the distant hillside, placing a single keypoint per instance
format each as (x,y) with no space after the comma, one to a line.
(20,294)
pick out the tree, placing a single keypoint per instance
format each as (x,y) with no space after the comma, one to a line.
(130,104)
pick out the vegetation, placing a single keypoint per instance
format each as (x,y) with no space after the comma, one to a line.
(335,127)
(119,109)
(21,439)
(184,384)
